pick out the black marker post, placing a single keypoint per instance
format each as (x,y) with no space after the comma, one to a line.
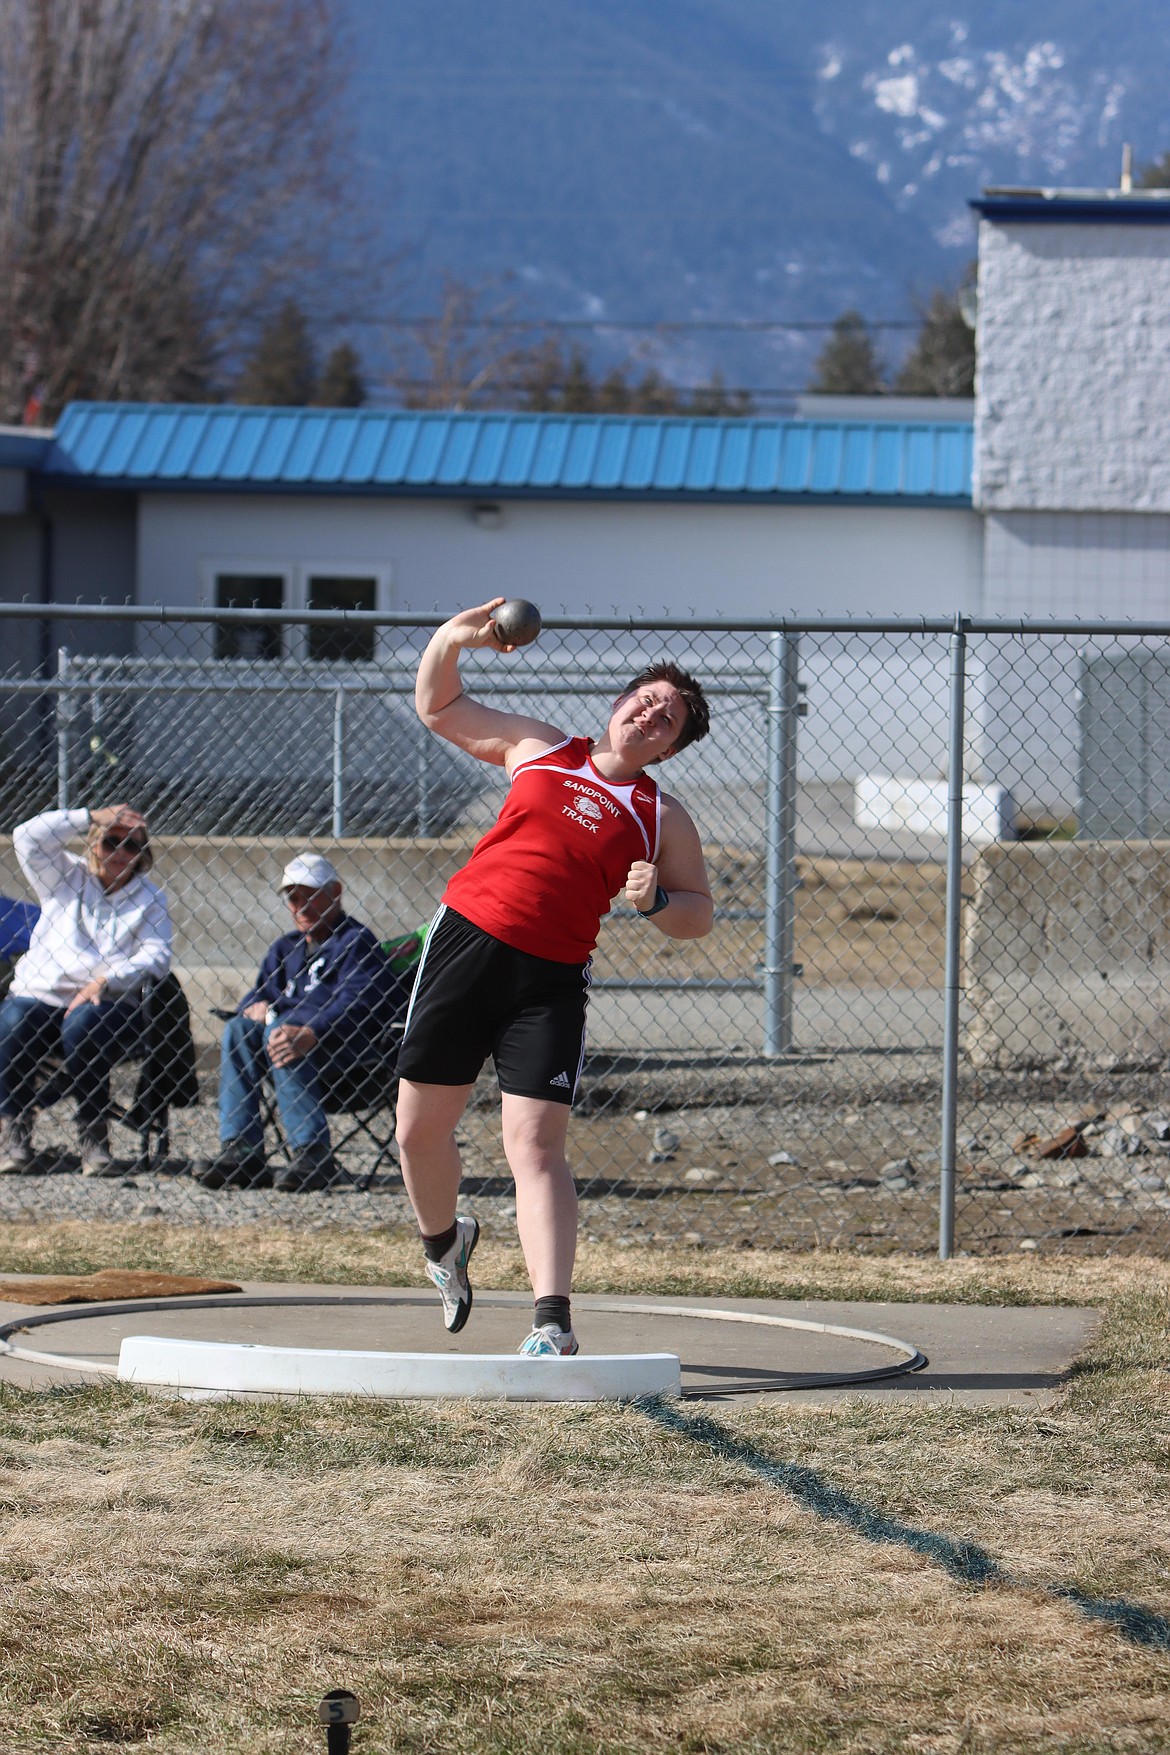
(337,1712)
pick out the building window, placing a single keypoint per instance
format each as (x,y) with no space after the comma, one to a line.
(256,640)
(341,644)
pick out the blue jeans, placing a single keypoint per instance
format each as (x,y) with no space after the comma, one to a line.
(91,1040)
(243,1064)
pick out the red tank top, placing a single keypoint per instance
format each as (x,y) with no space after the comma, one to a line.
(544,875)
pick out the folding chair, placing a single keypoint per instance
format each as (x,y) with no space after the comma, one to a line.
(366,1093)
(166,1076)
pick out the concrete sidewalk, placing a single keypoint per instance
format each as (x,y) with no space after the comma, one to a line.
(978,1356)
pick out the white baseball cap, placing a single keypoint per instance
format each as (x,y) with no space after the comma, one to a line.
(309,869)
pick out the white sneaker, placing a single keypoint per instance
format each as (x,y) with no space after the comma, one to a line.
(15,1145)
(549,1342)
(450,1275)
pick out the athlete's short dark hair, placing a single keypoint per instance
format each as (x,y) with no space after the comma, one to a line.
(698,720)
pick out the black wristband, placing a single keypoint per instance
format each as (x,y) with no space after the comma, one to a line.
(660,900)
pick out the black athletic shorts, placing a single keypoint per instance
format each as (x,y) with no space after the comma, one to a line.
(476,996)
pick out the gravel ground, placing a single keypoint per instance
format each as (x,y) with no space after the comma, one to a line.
(742,1151)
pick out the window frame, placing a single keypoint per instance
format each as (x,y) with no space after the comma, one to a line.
(296,577)
(213,568)
(380,572)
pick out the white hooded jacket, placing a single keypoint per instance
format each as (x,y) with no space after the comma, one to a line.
(83,933)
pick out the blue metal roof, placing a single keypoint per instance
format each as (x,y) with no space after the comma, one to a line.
(412,454)
(23,449)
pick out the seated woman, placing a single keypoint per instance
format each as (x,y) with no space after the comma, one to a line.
(103,930)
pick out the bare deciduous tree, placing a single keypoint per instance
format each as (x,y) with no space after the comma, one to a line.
(469,357)
(154,155)
(465,357)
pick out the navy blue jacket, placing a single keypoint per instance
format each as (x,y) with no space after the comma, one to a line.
(344,988)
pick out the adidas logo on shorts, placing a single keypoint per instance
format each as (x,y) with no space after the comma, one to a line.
(561,1082)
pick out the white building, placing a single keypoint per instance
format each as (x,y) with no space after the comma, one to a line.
(585,514)
(1072,480)
(1054,504)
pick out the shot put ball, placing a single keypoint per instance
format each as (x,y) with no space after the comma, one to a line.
(517,622)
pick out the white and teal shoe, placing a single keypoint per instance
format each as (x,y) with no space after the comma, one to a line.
(549,1342)
(450,1275)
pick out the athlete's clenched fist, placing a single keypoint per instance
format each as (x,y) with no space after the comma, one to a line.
(641,885)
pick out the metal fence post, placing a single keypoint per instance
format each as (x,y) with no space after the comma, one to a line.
(338,763)
(954,920)
(780,843)
(64,722)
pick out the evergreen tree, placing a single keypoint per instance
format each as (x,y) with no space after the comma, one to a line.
(613,393)
(578,395)
(654,396)
(540,374)
(341,384)
(547,382)
(281,371)
(848,364)
(942,360)
(715,401)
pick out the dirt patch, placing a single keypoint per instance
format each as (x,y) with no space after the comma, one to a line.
(109,1283)
(859,923)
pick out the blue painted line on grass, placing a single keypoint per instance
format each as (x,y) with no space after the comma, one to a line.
(1131,1620)
(966,1561)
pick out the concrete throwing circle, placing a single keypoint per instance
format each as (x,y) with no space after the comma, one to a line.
(271,1343)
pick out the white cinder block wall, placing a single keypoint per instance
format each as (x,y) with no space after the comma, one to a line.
(1074,365)
(1072,454)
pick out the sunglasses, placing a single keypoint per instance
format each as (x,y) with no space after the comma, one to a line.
(121,844)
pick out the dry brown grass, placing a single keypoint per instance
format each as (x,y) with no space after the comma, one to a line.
(190,1577)
(859,923)
(391,1258)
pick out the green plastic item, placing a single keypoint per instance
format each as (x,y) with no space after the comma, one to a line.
(404,953)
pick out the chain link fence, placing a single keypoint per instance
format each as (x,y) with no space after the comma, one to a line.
(933,1008)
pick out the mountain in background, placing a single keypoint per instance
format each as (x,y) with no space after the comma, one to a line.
(644,161)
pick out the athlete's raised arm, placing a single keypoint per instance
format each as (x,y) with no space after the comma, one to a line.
(443,707)
(680,875)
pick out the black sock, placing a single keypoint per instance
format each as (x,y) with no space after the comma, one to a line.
(435,1248)
(554,1310)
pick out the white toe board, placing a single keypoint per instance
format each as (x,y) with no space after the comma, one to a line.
(241,1369)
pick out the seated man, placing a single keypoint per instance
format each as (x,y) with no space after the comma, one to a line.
(103,931)
(323,1003)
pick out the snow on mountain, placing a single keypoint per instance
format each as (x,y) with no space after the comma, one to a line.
(935,119)
(702,160)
